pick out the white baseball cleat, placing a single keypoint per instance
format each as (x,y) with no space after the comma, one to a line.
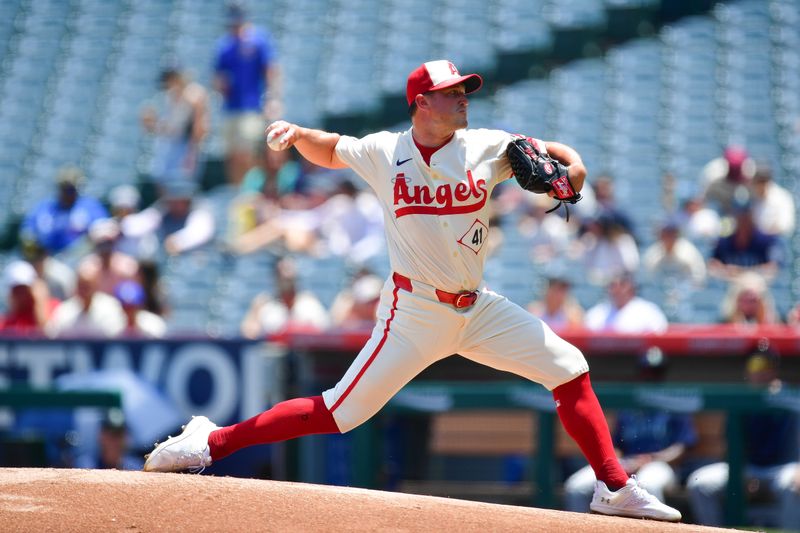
(631,501)
(188,451)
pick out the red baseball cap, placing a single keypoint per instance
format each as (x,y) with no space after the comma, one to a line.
(435,75)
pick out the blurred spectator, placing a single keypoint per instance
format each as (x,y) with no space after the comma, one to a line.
(277,181)
(355,306)
(674,256)
(59,277)
(625,312)
(558,308)
(246,212)
(276,173)
(284,230)
(124,200)
(248,79)
(176,220)
(138,321)
(352,223)
(348,224)
(258,200)
(700,223)
(110,266)
(57,223)
(608,250)
(772,441)
(748,301)
(607,207)
(649,442)
(289,310)
(90,313)
(154,298)
(793,316)
(773,206)
(725,176)
(178,120)
(113,446)
(747,248)
(548,234)
(29,302)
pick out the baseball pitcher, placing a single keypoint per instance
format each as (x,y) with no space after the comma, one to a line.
(434,181)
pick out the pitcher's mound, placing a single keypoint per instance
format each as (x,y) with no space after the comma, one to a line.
(109,500)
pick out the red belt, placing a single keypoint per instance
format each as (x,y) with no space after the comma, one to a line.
(459,300)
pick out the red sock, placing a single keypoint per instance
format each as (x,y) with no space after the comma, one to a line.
(583,418)
(286,420)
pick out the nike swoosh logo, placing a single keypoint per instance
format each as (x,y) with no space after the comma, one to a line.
(398,162)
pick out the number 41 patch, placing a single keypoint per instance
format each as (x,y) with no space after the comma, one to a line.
(475,236)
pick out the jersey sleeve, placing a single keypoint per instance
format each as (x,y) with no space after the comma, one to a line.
(367,155)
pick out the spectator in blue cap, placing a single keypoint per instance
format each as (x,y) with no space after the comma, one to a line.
(139,322)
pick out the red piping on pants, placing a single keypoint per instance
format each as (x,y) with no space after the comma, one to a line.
(374,353)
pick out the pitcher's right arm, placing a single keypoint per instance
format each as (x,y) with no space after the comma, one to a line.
(317,146)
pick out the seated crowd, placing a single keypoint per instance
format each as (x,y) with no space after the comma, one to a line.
(90,268)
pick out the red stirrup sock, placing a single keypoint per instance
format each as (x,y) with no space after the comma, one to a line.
(286,420)
(583,418)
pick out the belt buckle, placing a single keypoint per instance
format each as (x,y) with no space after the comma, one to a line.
(459,301)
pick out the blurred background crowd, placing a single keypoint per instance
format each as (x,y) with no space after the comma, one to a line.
(141,199)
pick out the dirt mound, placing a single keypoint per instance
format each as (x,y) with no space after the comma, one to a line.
(110,500)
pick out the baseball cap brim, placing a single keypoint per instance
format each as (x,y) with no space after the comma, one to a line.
(472,82)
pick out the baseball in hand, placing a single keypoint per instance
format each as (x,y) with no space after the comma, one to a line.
(276,142)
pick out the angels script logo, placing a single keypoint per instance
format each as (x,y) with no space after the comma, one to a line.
(422,200)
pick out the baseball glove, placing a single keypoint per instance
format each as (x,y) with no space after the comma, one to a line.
(539,173)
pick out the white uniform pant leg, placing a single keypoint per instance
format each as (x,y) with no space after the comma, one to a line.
(706,487)
(578,490)
(502,335)
(411,333)
(779,479)
(656,477)
(789,497)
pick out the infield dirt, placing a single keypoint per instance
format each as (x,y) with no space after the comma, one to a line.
(109,500)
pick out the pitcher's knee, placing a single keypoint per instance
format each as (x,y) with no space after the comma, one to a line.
(347,414)
(349,419)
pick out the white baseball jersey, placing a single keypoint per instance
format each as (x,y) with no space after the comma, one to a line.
(437,217)
(437,225)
